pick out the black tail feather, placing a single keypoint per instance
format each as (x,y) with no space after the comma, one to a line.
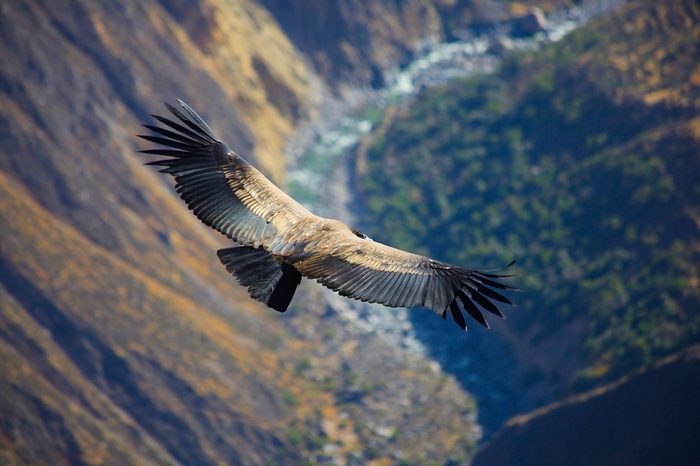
(267,281)
(284,291)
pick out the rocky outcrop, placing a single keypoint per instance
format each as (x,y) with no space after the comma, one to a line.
(352,42)
(359,43)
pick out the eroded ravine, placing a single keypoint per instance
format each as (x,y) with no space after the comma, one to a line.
(319,170)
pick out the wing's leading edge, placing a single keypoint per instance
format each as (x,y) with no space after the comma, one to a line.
(280,240)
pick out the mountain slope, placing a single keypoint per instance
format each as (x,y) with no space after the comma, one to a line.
(110,353)
(358,43)
(578,161)
(122,338)
(625,422)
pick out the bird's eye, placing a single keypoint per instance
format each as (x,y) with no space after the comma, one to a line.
(358,233)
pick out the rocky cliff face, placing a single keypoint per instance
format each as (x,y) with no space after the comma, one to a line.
(117,332)
(358,43)
(220,58)
(122,339)
(101,355)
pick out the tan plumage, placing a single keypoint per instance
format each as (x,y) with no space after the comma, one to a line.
(279,240)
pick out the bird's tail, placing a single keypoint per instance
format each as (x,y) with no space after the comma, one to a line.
(267,281)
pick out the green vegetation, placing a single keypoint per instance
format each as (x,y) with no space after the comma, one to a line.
(582,163)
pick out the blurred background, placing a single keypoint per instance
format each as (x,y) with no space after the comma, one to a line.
(564,134)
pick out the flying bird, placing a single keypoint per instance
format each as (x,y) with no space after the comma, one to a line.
(278,240)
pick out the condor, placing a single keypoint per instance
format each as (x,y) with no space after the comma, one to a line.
(278,240)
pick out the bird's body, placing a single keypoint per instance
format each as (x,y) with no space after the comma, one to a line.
(279,240)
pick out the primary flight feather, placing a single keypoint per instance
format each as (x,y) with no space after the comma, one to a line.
(279,240)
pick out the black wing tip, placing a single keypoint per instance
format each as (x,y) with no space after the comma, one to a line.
(476,295)
(490,272)
(180,140)
(192,120)
(153,128)
(457,315)
(169,106)
(475,304)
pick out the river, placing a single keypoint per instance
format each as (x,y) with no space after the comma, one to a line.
(318,175)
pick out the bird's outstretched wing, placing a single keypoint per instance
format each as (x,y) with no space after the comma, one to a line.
(373,272)
(219,186)
(280,240)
